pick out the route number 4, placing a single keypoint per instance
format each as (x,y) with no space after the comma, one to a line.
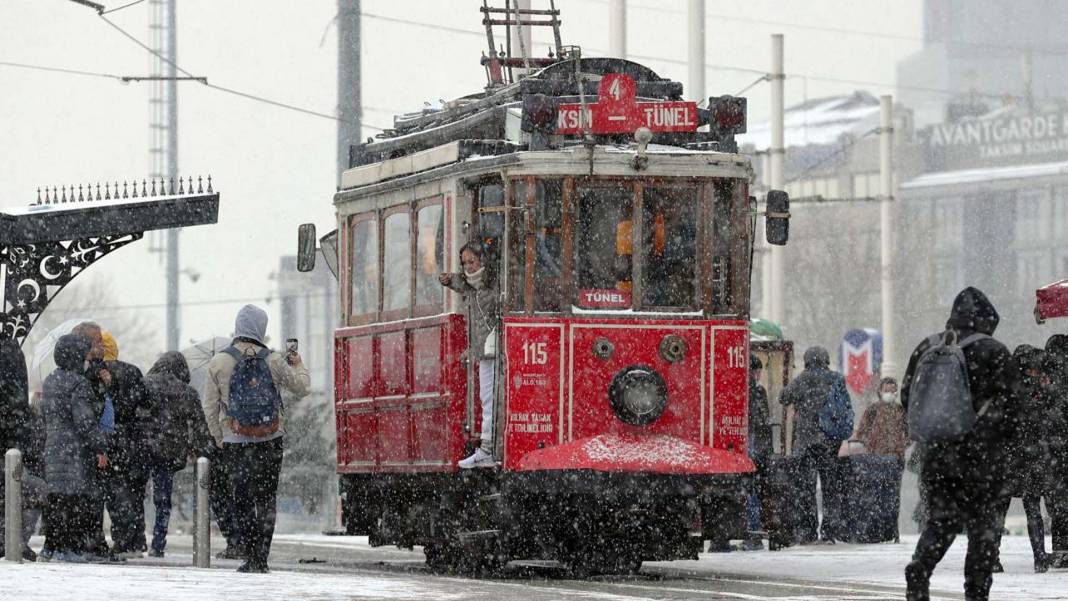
(736,356)
(535,353)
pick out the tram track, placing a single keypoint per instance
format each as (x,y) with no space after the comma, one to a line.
(531,580)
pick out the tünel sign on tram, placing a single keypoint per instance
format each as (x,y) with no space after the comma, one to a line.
(617,111)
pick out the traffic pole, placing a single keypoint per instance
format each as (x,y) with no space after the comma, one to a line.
(617,28)
(13,505)
(776,261)
(201,515)
(696,24)
(886,231)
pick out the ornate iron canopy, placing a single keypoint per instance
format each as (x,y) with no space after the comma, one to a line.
(45,245)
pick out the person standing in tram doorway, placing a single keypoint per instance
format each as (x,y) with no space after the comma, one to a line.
(478,284)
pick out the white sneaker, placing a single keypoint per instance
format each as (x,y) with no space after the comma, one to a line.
(479,458)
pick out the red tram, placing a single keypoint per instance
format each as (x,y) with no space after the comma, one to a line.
(623,240)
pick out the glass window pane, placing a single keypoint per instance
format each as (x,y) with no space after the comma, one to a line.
(517,254)
(722,294)
(430,258)
(364,253)
(548,244)
(604,247)
(669,247)
(397,263)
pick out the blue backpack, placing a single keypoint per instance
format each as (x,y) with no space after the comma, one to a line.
(254,401)
(836,415)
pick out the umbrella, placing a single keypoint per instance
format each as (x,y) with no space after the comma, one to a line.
(42,363)
(1051,301)
(199,355)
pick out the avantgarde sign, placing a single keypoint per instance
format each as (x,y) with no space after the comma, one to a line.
(617,111)
(1008,139)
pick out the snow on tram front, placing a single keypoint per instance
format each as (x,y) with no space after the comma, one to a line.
(621,236)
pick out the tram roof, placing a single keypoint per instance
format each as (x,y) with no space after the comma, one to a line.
(496,114)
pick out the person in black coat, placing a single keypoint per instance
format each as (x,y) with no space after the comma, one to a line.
(1030,450)
(1057,435)
(175,430)
(124,482)
(808,394)
(14,410)
(965,478)
(74,450)
(760,450)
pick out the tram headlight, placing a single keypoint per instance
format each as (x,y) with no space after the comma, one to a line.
(638,395)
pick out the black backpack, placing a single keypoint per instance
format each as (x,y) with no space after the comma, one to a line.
(940,396)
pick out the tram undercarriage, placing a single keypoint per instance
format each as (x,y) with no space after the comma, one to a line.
(590,522)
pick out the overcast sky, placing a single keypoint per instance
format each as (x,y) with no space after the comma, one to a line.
(275,167)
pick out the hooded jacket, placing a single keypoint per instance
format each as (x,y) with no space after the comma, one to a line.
(174,426)
(72,432)
(808,393)
(993,378)
(251,330)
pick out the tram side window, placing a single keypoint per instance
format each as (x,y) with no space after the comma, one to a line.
(364,252)
(603,247)
(397,263)
(548,215)
(429,255)
(722,294)
(669,247)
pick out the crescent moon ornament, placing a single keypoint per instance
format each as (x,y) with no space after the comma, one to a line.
(48,275)
(32,285)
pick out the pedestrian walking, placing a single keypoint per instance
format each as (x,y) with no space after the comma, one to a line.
(175,431)
(823,418)
(247,419)
(74,450)
(960,401)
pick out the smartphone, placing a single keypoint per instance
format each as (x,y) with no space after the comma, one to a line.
(291,345)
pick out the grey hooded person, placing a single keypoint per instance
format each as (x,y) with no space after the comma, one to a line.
(74,449)
(807,394)
(254,462)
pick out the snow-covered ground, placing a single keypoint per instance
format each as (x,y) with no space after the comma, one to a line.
(811,572)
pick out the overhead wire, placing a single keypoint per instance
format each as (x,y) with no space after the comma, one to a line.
(233,91)
(61,70)
(840,151)
(112,10)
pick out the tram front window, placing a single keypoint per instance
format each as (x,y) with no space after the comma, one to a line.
(604,248)
(669,247)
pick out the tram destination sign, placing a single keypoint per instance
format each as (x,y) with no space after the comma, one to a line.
(617,111)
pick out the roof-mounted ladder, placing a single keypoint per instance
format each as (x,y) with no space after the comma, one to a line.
(499,60)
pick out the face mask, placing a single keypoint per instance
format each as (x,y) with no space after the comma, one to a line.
(888,396)
(475,279)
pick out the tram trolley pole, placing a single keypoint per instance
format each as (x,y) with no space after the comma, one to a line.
(202,515)
(13,505)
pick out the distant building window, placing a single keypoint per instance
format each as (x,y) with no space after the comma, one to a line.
(948,277)
(1060,213)
(1032,216)
(947,217)
(1032,270)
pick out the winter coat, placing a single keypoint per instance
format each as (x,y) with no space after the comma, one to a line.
(72,430)
(289,378)
(808,393)
(175,425)
(1030,450)
(760,437)
(1057,428)
(130,398)
(883,430)
(982,454)
(483,312)
(14,399)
